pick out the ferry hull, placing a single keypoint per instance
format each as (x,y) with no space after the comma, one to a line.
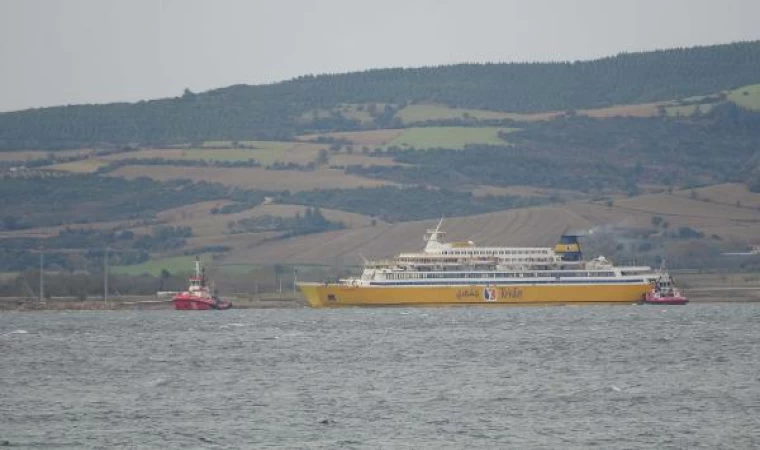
(335,295)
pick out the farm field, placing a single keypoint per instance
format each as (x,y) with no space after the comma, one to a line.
(726,221)
(368,137)
(728,193)
(533,226)
(345,159)
(448,137)
(639,110)
(747,96)
(30,155)
(253,178)
(81,166)
(421,113)
(174,264)
(242,240)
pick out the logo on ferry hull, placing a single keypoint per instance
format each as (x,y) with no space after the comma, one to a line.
(489,294)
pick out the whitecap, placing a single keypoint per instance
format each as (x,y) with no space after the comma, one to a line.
(159,382)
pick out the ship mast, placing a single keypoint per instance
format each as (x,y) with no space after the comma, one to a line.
(432,236)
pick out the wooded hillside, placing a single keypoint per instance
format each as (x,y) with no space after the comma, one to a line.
(282,110)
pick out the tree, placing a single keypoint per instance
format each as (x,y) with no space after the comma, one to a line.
(323,158)
(10,223)
(165,275)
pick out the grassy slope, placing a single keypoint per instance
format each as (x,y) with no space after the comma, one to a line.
(361,138)
(424,112)
(747,96)
(448,137)
(174,264)
(30,155)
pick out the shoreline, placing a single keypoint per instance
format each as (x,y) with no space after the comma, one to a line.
(260,302)
(142,303)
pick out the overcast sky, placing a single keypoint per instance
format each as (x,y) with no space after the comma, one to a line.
(56,52)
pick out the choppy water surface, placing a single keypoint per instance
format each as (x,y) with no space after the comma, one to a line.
(558,377)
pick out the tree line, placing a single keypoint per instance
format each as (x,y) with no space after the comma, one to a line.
(395,204)
(312,221)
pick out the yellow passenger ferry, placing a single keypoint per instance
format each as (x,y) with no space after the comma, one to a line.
(461,273)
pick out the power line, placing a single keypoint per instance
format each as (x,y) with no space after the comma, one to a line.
(42,271)
(105,275)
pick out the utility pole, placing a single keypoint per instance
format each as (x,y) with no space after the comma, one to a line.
(105,276)
(295,279)
(42,271)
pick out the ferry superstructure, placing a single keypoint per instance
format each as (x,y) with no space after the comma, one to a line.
(458,273)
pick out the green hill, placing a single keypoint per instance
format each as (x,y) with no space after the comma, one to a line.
(309,103)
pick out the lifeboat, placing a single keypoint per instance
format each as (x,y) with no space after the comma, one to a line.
(198,296)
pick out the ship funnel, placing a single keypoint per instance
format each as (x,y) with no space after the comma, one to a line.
(569,248)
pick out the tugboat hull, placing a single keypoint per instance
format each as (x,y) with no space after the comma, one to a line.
(198,296)
(673,298)
(199,304)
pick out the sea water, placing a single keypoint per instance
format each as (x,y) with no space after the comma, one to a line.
(465,377)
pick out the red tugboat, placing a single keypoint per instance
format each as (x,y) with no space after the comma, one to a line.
(664,292)
(198,295)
